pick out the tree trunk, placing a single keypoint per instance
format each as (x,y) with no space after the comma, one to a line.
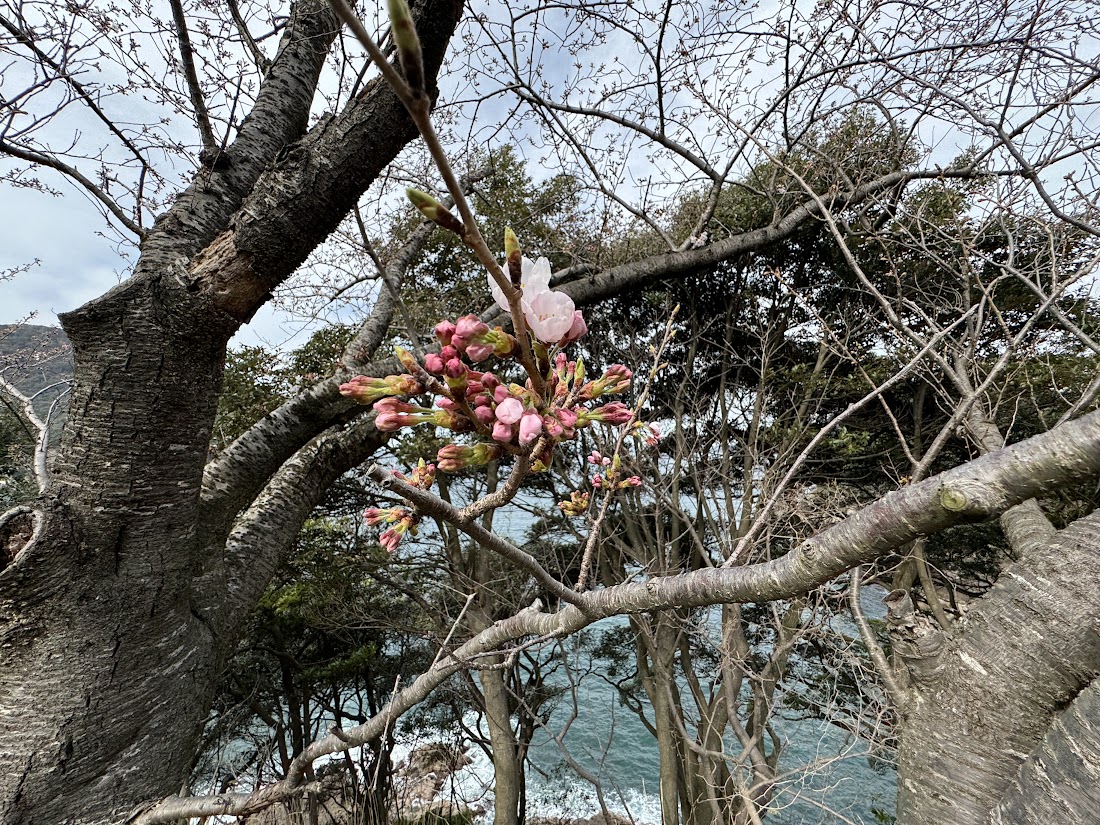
(507,768)
(1060,782)
(119,613)
(1005,689)
(108,669)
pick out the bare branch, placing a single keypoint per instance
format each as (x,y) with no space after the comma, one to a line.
(973,492)
(72,172)
(194,88)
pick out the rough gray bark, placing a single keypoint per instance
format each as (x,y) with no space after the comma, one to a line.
(1025,526)
(119,616)
(1060,781)
(1004,675)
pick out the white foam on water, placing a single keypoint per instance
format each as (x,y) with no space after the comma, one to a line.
(558,796)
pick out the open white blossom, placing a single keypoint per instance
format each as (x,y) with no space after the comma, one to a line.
(549,314)
(534,278)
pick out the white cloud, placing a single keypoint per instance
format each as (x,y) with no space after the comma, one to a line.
(67,235)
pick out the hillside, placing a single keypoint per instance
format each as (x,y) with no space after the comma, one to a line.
(33,357)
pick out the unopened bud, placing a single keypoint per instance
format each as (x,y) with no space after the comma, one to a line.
(403,30)
(514,256)
(436,212)
(407,359)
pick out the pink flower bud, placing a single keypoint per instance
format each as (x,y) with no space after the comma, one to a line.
(479,352)
(447,353)
(470,326)
(615,379)
(490,381)
(530,427)
(446,404)
(454,369)
(455,457)
(389,540)
(485,414)
(501,393)
(443,331)
(509,410)
(389,422)
(366,389)
(433,363)
(392,405)
(502,432)
(614,413)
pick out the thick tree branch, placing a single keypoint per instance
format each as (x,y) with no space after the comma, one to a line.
(234,478)
(676,264)
(278,118)
(1025,651)
(265,533)
(1025,525)
(300,200)
(1058,783)
(972,492)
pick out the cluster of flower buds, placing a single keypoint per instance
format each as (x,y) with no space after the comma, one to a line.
(577,504)
(612,480)
(401,519)
(553,402)
(423,477)
(510,414)
(471,337)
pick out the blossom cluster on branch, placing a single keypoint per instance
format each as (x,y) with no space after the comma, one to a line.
(554,400)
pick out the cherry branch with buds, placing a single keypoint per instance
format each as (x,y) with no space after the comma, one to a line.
(490,416)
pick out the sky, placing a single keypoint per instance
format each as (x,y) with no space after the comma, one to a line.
(79,260)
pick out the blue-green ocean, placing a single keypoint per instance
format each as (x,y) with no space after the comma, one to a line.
(825,774)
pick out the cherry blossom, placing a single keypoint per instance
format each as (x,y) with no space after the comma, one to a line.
(549,315)
(534,279)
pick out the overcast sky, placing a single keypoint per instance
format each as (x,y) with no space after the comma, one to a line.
(80,261)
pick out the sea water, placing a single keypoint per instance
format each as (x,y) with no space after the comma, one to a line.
(825,775)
